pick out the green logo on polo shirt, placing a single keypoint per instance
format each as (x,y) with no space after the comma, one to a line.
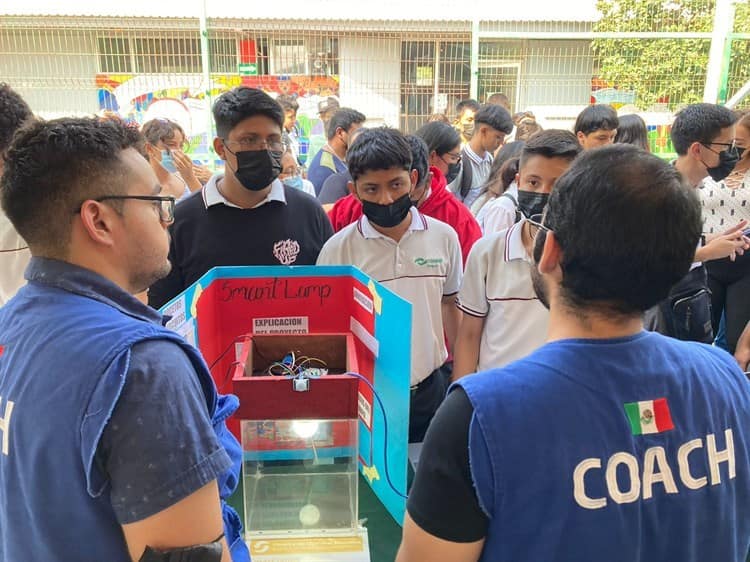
(428,262)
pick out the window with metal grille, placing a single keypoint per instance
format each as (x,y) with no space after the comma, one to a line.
(165,55)
(114,54)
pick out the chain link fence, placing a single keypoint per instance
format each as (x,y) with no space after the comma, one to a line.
(397,73)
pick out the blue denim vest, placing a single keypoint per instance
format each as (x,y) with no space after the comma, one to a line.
(63,364)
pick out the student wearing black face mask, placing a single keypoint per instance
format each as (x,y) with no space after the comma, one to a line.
(503,320)
(723,203)
(245,216)
(703,137)
(543,159)
(416,256)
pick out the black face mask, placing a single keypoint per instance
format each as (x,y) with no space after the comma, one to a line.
(387,216)
(531,203)
(256,169)
(740,152)
(453,170)
(727,160)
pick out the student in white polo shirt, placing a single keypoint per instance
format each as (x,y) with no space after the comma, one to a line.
(417,257)
(503,319)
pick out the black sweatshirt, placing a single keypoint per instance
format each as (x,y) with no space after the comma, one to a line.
(273,234)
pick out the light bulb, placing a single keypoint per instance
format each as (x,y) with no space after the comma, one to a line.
(305,429)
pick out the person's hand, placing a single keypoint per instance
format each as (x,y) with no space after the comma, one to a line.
(184,165)
(739,226)
(728,244)
(202,173)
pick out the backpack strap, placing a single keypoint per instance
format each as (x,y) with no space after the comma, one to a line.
(519,215)
(467,176)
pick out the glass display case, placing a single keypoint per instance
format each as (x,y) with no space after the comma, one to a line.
(300,475)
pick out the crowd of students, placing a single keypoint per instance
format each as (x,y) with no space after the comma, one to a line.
(532,256)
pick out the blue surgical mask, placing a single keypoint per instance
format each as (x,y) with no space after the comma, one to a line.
(293,182)
(167,161)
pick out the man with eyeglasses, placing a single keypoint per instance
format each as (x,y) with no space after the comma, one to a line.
(703,137)
(609,442)
(246,216)
(112,440)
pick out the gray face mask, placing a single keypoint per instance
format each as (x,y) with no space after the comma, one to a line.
(468,130)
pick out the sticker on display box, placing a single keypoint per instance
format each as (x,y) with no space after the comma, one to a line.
(365,410)
(281,325)
(177,311)
(363,300)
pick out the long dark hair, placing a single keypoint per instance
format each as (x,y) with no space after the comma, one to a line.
(632,130)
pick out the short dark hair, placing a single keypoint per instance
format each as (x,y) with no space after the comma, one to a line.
(440,137)
(344,118)
(419,157)
(381,148)
(596,117)
(699,122)
(632,130)
(496,116)
(627,226)
(238,104)
(552,143)
(53,166)
(467,104)
(14,111)
(288,103)
(160,129)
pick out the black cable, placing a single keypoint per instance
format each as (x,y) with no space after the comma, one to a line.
(227,350)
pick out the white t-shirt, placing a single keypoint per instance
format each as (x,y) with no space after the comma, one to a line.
(724,207)
(14,257)
(499,213)
(497,287)
(422,268)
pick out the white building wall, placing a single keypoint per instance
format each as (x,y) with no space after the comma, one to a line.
(370,77)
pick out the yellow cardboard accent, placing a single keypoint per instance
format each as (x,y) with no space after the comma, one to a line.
(371,473)
(376,300)
(196,296)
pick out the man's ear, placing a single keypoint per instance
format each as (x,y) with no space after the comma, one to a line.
(351,188)
(695,150)
(219,148)
(414,176)
(96,220)
(549,262)
(581,137)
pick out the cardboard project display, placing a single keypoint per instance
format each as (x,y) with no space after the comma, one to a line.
(234,315)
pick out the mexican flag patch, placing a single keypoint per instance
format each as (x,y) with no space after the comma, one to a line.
(649,416)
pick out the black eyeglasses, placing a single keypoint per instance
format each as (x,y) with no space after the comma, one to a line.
(164,204)
(727,145)
(536,222)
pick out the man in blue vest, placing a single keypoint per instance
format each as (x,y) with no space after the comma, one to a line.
(112,438)
(609,442)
